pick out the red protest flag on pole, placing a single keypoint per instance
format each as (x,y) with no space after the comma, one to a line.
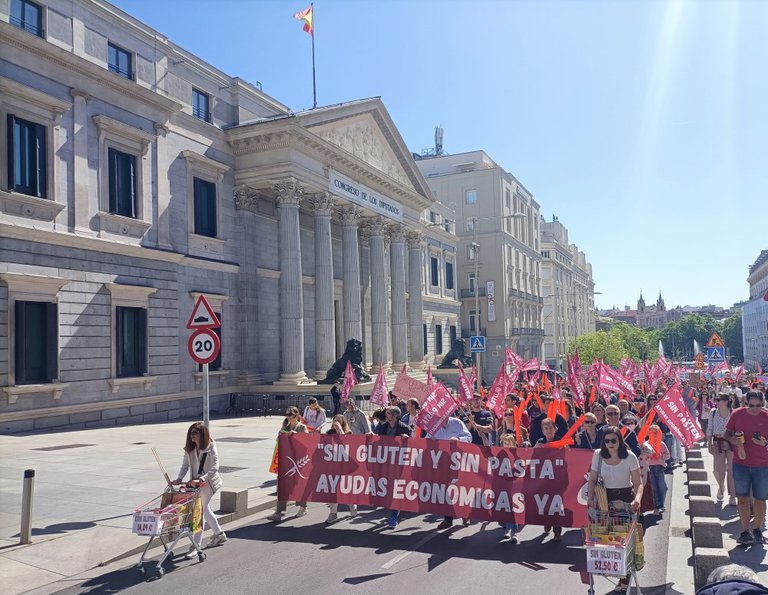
(497,393)
(465,388)
(350,380)
(308,16)
(430,380)
(380,389)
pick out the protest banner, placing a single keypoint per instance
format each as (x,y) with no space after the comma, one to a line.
(436,409)
(678,419)
(407,387)
(442,477)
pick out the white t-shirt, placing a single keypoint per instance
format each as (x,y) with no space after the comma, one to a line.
(616,476)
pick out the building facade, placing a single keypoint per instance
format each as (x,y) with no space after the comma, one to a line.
(141,177)
(568,290)
(498,257)
(754,315)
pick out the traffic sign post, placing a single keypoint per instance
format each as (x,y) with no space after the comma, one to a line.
(715,355)
(204,345)
(477,344)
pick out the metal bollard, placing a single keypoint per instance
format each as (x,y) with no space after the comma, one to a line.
(26,506)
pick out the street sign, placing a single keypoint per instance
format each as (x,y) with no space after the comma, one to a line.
(477,344)
(715,355)
(204,345)
(202,315)
(715,341)
(699,360)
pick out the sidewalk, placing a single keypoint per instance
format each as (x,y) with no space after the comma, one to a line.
(754,556)
(89,482)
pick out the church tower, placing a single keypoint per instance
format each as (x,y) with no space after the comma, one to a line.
(641,304)
(660,304)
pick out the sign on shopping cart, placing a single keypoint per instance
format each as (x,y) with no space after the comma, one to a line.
(147,523)
(606,560)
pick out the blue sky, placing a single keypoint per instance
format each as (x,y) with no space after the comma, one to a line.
(642,124)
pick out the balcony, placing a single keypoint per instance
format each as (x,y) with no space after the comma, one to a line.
(528,332)
(468,293)
(467,333)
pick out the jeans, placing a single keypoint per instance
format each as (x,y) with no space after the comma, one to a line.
(675,452)
(659,485)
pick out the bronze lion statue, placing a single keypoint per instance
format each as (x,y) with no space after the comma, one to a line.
(354,354)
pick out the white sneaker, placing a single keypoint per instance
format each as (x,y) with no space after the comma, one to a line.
(332,518)
(275,516)
(301,511)
(507,534)
(218,539)
(732,501)
(352,510)
(720,495)
(191,553)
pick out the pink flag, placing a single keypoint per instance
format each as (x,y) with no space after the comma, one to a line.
(465,388)
(350,380)
(380,389)
(497,393)
(512,359)
(677,418)
(473,376)
(530,365)
(611,380)
(430,380)
(739,372)
(574,382)
(435,410)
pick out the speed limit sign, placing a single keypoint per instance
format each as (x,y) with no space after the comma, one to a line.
(204,345)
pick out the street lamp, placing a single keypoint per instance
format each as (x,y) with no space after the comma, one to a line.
(475,248)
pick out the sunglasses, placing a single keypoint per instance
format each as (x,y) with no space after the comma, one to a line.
(754,405)
(193,432)
(725,400)
(613,413)
(509,415)
(610,441)
(590,422)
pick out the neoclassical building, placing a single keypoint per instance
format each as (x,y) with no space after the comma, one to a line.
(140,177)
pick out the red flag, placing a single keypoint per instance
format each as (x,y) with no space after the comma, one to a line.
(678,418)
(380,389)
(465,388)
(436,409)
(430,380)
(574,382)
(350,380)
(473,377)
(307,15)
(497,393)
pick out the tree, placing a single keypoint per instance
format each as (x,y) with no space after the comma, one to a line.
(678,336)
(637,342)
(732,336)
(606,346)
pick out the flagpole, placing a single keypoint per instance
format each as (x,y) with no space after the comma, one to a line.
(314,86)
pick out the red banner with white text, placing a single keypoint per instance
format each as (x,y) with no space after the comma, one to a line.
(540,486)
(673,411)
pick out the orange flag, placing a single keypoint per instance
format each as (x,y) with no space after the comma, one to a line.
(566,440)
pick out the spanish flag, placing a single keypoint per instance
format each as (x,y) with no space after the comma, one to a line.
(307,16)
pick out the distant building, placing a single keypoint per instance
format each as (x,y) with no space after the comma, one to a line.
(754,315)
(568,290)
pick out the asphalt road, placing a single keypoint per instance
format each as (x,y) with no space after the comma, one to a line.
(364,556)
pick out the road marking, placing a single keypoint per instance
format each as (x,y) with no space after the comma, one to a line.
(400,557)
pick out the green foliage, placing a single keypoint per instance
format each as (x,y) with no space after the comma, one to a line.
(732,336)
(607,346)
(678,336)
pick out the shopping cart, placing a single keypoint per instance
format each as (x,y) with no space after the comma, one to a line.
(175,514)
(612,545)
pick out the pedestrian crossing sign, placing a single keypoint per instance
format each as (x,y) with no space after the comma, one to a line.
(477,344)
(715,355)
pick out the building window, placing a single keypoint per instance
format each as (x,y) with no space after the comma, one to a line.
(438,338)
(471,283)
(131,342)
(432,217)
(120,61)
(434,277)
(452,333)
(424,326)
(37,342)
(507,199)
(26,157)
(200,105)
(28,16)
(473,326)
(448,275)
(471,197)
(469,225)
(122,183)
(215,365)
(470,252)
(205,208)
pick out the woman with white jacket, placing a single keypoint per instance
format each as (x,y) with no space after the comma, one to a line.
(201,459)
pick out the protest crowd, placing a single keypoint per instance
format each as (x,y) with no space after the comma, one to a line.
(631,424)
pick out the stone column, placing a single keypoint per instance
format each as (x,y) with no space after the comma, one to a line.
(81,201)
(325,331)
(162,188)
(350,219)
(379,322)
(399,316)
(415,304)
(364,253)
(289,192)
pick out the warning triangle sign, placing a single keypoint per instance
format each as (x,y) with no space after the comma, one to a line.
(715,341)
(203,315)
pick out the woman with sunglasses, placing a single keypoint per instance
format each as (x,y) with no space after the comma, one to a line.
(291,425)
(720,447)
(619,470)
(588,437)
(201,459)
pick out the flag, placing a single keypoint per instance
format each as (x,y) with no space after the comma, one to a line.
(497,393)
(380,389)
(573,380)
(430,380)
(350,380)
(465,388)
(306,15)
(473,376)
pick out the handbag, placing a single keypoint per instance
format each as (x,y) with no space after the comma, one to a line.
(601,494)
(215,481)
